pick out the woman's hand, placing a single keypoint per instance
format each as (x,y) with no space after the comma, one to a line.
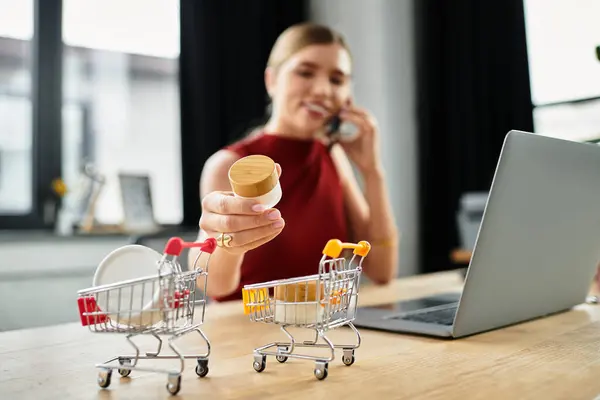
(364,150)
(245,220)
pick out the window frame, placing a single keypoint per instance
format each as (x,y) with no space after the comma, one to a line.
(46,101)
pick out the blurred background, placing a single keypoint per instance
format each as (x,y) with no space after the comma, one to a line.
(109,109)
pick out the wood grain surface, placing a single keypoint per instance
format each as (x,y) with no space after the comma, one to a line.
(557,357)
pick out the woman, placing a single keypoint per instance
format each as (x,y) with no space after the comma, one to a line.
(308,78)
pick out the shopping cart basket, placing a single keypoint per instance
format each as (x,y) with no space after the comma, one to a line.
(319,302)
(161,304)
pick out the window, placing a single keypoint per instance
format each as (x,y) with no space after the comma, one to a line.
(121,99)
(16,161)
(114,65)
(564,68)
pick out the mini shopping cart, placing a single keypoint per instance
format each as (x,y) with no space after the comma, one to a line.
(318,302)
(162,304)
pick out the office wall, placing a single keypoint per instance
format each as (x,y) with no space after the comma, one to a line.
(380,33)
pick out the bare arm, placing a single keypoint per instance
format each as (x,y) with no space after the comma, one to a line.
(246,221)
(371,218)
(224,267)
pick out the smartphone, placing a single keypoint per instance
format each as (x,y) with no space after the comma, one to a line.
(343,131)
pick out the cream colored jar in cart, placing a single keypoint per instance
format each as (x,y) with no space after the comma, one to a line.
(297,303)
(255,177)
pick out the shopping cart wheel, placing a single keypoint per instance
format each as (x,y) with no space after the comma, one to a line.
(321,370)
(348,357)
(104,378)
(260,363)
(202,367)
(281,358)
(124,372)
(174,384)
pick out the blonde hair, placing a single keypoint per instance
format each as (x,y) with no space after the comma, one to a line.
(299,36)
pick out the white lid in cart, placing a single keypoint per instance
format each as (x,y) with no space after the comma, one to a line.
(127,262)
(132,302)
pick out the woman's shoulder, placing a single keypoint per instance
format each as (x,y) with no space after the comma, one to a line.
(216,170)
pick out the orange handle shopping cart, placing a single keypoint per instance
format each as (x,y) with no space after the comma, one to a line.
(320,302)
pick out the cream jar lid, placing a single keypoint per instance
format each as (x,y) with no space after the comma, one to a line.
(253,176)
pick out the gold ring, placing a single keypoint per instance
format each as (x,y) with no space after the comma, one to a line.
(224,240)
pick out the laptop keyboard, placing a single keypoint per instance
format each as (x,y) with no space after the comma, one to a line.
(443,316)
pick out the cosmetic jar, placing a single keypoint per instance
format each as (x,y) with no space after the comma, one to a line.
(255,177)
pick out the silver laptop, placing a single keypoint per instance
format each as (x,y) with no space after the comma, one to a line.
(536,251)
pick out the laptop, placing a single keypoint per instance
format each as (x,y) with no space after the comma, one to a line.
(536,250)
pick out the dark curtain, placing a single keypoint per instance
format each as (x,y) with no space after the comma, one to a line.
(224,49)
(472,88)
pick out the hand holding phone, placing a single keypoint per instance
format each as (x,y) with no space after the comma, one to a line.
(355,129)
(344,131)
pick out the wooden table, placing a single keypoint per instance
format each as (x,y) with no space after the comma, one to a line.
(553,358)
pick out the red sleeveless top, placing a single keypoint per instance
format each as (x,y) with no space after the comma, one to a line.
(312,206)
